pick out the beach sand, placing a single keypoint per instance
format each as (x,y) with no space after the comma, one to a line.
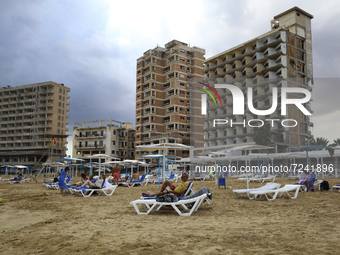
(37,220)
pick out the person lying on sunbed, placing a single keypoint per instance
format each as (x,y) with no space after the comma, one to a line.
(167,186)
(202,191)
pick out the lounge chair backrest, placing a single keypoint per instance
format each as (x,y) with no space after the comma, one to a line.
(270,186)
(313,177)
(187,192)
(68,179)
(142,178)
(171,176)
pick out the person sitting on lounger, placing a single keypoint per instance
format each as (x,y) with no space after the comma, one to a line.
(89,183)
(178,191)
(135,176)
(306,180)
(83,180)
(105,184)
(19,176)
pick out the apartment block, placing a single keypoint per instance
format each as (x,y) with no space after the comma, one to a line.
(109,137)
(163,94)
(280,58)
(31,116)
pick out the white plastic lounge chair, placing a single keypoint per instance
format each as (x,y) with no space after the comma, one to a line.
(140,182)
(268,186)
(268,193)
(202,177)
(337,187)
(247,178)
(189,190)
(152,205)
(103,191)
(262,179)
(12,181)
(171,177)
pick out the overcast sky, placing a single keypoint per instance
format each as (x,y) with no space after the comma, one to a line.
(92,46)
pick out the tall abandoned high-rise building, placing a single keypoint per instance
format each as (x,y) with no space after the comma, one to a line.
(31,116)
(279,58)
(163,94)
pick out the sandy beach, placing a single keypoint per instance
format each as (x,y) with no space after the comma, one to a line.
(37,220)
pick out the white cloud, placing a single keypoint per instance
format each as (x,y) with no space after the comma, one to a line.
(327,126)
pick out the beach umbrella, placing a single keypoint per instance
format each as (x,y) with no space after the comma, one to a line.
(99,157)
(130,162)
(22,168)
(70,161)
(90,164)
(308,148)
(164,147)
(159,156)
(6,170)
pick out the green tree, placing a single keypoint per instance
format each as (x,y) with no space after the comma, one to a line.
(262,135)
(319,141)
(336,142)
(323,142)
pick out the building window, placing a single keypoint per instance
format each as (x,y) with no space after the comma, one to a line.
(182,118)
(182,75)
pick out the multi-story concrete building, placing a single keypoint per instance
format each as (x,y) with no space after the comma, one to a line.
(163,94)
(31,116)
(279,58)
(109,137)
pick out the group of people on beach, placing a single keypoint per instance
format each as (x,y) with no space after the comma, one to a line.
(89,182)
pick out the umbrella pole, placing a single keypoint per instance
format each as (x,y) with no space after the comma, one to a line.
(159,173)
(307,159)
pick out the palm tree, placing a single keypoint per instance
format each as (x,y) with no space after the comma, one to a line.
(319,141)
(323,142)
(262,135)
(336,142)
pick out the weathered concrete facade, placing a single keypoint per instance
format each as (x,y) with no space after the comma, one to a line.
(31,116)
(279,58)
(109,137)
(163,94)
